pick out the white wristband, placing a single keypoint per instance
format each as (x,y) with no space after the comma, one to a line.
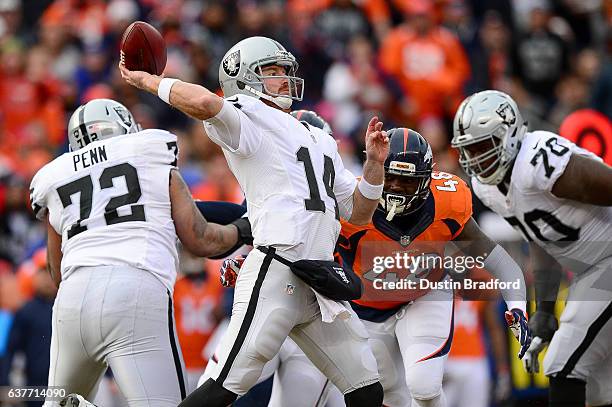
(370,191)
(163,91)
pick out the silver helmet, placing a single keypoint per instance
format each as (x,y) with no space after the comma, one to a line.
(240,71)
(493,119)
(99,119)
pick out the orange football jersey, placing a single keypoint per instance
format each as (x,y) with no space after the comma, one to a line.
(468,336)
(424,234)
(195,304)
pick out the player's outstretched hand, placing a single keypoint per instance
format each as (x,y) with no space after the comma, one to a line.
(518,324)
(543,326)
(139,79)
(530,360)
(377,141)
(229,271)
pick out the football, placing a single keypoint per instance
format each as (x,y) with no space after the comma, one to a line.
(144,49)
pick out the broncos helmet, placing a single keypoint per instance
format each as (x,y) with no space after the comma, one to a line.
(409,163)
(240,71)
(99,119)
(313,119)
(487,130)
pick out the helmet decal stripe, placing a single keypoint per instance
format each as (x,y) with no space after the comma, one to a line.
(82,126)
(405,139)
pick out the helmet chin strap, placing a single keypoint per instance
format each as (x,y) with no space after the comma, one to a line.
(284,102)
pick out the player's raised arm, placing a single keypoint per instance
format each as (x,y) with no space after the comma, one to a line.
(369,189)
(585,180)
(197,235)
(191,99)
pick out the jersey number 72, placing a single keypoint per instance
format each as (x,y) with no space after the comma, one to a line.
(84,185)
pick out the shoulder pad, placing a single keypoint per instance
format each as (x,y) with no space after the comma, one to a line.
(452,196)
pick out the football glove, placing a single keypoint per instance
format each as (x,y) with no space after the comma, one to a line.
(543,326)
(244,231)
(229,271)
(530,360)
(517,322)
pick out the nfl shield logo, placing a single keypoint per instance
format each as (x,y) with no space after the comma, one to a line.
(290,289)
(231,64)
(404,240)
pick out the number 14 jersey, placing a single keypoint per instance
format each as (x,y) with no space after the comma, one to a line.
(110,203)
(578,235)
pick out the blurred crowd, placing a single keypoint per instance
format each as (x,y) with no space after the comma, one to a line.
(409,62)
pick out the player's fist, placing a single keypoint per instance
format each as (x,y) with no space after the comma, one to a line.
(518,324)
(543,324)
(229,271)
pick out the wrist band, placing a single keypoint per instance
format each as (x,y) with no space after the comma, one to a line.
(370,191)
(163,91)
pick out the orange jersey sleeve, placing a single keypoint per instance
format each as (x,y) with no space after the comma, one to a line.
(453,201)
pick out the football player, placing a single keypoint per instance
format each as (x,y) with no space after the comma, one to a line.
(558,196)
(297,188)
(114,207)
(411,332)
(297,381)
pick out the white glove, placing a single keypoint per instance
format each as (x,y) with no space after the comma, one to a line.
(530,360)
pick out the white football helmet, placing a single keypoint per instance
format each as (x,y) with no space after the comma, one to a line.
(99,119)
(240,71)
(493,117)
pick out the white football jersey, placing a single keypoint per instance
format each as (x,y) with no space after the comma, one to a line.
(110,202)
(291,174)
(577,235)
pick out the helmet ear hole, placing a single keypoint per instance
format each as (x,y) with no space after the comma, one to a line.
(240,85)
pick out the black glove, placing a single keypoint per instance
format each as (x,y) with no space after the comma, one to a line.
(543,324)
(245,236)
(244,231)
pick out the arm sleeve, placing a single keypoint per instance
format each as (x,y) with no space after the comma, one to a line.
(233,130)
(344,186)
(220,212)
(549,160)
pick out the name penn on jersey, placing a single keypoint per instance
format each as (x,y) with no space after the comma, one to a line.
(90,157)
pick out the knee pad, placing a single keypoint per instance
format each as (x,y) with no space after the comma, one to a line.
(210,394)
(424,388)
(564,392)
(367,396)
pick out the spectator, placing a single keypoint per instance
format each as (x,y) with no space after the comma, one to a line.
(337,25)
(354,85)
(428,61)
(540,57)
(31,330)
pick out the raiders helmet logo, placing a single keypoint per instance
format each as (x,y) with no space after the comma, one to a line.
(506,112)
(124,116)
(231,64)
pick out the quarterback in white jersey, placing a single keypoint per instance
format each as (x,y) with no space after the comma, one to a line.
(559,197)
(297,188)
(114,206)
